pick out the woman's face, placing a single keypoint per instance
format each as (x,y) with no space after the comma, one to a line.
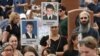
(16,19)
(61,12)
(54,29)
(29,54)
(8,51)
(45,53)
(13,40)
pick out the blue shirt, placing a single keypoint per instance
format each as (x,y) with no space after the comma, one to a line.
(19,9)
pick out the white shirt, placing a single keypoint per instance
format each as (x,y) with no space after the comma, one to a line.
(30,34)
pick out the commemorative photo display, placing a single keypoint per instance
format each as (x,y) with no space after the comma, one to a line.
(28,32)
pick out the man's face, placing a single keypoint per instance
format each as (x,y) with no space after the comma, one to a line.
(84,19)
(85,51)
(49,11)
(29,28)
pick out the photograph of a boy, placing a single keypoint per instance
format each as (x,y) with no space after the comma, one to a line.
(50,13)
(29,31)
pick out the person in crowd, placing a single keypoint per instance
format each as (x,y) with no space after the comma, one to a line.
(14,42)
(19,6)
(48,51)
(7,6)
(54,40)
(85,29)
(63,19)
(49,13)
(29,31)
(72,46)
(13,27)
(88,46)
(7,50)
(30,51)
(95,7)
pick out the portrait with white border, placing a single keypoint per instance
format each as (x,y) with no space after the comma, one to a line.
(49,12)
(29,34)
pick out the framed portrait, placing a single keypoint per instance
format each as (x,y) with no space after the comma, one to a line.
(49,13)
(29,32)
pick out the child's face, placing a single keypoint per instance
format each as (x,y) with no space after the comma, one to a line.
(29,28)
(49,11)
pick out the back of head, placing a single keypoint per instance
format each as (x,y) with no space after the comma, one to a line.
(89,42)
(30,49)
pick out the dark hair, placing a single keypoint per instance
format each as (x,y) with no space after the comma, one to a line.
(50,6)
(30,49)
(63,8)
(29,23)
(70,42)
(49,51)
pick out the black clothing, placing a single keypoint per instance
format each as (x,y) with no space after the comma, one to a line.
(53,17)
(28,37)
(71,53)
(56,45)
(14,29)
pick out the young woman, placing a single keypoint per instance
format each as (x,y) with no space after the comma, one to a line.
(14,42)
(72,46)
(54,40)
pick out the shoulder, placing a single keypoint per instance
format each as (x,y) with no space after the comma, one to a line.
(24,35)
(19,53)
(76,30)
(63,39)
(54,16)
(45,38)
(91,4)
(92,30)
(44,16)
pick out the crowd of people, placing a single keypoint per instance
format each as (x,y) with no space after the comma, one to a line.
(53,39)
